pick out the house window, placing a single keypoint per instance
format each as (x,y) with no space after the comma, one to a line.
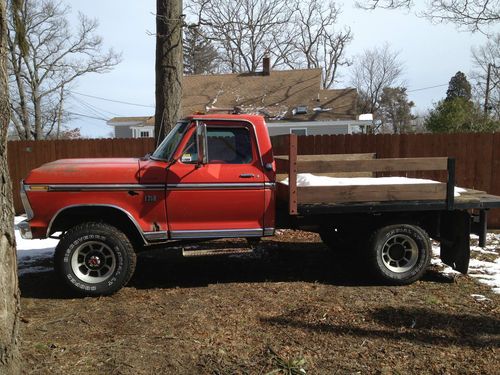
(144,134)
(298,131)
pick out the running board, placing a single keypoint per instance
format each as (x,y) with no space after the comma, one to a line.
(212,252)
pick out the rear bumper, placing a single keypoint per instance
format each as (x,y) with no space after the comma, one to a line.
(25,230)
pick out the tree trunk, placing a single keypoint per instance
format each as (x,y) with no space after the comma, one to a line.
(169,65)
(9,299)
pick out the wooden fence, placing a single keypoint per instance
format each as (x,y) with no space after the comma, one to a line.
(477,155)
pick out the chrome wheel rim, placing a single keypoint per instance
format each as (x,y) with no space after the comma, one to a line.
(93,262)
(400,253)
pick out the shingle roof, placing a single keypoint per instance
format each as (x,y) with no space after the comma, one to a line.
(274,96)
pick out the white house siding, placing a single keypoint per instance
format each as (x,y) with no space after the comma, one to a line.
(317,127)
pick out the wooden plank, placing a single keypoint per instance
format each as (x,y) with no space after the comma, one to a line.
(370,193)
(331,157)
(292,175)
(376,165)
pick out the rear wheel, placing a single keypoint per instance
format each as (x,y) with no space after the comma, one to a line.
(399,254)
(95,259)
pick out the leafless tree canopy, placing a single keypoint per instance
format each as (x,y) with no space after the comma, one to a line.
(373,71)
(295,34)
(488,54)
(245,30)
(472,15)
(316,41)
(57,55)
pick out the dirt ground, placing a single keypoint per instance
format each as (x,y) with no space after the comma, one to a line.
(292,307)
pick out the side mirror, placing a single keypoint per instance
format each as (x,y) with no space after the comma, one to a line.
(201,143)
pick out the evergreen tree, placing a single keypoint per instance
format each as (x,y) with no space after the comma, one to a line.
(200,56)
(395,109)
(457,112)
(459,87)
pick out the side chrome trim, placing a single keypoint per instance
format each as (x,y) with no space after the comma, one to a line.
(217,186)
(268,231)
(125,187)
(25,201)
(104,187)
(139,229)
(156,236)
(227,233)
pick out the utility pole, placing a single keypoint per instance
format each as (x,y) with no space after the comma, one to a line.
(60,112)
(487,93)
(488,87)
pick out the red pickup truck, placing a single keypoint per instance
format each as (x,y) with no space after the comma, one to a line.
(215,176)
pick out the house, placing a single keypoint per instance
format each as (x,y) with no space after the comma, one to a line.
(292,101)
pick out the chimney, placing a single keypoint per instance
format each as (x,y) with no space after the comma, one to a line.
(266,65)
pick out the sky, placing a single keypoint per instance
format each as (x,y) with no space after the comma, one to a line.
(431,54)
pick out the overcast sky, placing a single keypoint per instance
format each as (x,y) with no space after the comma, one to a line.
(431,53)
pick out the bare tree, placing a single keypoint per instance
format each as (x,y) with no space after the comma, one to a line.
(486,60)
(245,30)
(316,42)
(200,56)
(374,70)
(472,15)
(56,57)
(9,303)
(169,23)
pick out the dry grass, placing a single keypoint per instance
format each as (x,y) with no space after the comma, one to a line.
(290,308)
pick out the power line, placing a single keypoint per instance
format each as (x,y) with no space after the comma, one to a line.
(82,115)
(112,100)
(428,88)
(99,111)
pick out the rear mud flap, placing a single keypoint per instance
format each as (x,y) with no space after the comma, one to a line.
(455,237)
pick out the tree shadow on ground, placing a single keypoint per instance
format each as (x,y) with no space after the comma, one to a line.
(272,261)
(415,325)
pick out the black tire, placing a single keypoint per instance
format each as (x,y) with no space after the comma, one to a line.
(95,259)
(399,254)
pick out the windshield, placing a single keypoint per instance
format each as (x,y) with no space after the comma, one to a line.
(166,149)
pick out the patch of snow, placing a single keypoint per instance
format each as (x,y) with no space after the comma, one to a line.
(31,252)
(308,179)
(484,271)
(480,297)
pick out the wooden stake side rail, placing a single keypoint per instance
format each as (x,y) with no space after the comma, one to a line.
(333,164)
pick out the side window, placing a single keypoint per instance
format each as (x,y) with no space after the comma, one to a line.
(229,145)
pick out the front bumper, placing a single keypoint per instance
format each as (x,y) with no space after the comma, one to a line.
(25,230)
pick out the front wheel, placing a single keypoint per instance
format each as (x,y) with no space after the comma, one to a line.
(95,259)
(400,254)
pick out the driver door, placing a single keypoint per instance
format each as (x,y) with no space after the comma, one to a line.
(224,197)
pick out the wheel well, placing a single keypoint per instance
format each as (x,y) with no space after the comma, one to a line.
(72,216)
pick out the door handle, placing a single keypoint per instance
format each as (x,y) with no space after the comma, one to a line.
(247,175)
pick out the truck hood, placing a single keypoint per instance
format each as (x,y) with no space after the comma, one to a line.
(86,171)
